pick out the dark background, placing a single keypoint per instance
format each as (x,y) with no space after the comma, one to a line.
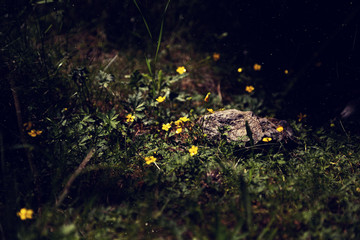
(317,41)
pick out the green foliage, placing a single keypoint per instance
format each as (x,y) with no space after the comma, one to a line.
(146,181)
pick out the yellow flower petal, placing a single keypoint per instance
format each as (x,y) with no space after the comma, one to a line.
(181,70)
(257,67)
(28,125)
(166,126)
(216,56)
(130,118)
(178,130)
(150,160)
(206,99)
(184,119)
(266,139)
(249,89)
(210,110)
(280,128)
(160,99)
(25,213)
(32,133)
(178,123)
(301,117)
(29,213)
(193,150)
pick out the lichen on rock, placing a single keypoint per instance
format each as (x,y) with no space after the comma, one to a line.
(232,125)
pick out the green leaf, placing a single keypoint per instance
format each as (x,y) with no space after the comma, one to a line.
(142,15)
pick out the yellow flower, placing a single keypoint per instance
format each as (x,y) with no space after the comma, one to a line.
(149,160)
(160,99)
(286,71)
(184,119)
(280,128)
(28,125)
(249,89)
(181,120)
(178,130)
(301,117)
(332,124)
(178,123)
(216,56)
(239,69)
(257,67)
(25,213)
(266,139)
(32,133)
(210,110)
(38,132)
(181,70)
(206,99)
(166,126)
(193,150)
(130,118)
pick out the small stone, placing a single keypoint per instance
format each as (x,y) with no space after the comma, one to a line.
(231,125)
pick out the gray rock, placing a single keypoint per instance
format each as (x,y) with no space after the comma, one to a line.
(231,125)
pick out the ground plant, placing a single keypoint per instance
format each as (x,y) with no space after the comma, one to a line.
(109,145)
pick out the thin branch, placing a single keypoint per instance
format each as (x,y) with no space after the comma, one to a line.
(112,60)
(20,126)
(73,177)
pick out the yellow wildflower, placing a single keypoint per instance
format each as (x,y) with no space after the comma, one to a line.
(286,71)
(206,99)
(184,119)
(149,160)
(27,125)
(32,133)
(240,69)
(332,124)
(166,126)
(266,139)
(280,128)
(358,189)
(178,130)
(178,123)
(193,150)
(181,120)
(210,110)
(249,89)
(160,99)
(216,56)
(301,117)
(257,67)
(130,117)
(181,70)
(25,213)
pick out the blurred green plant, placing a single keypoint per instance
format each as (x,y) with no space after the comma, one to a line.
(131,162)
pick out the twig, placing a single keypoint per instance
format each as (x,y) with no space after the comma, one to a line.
(23,140)
(342,126)
(112,60)
(20,126)
(73,177)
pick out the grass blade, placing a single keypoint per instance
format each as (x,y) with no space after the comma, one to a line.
(161,30)
(159,40)
(143,17)
(148,64)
